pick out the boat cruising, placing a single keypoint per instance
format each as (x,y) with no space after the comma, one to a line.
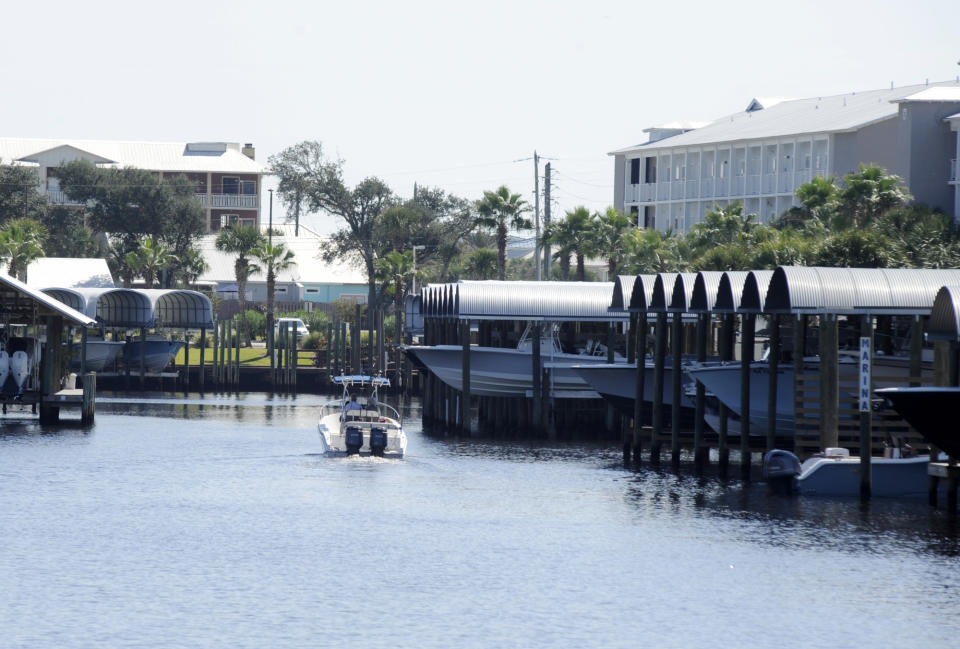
(361,425)
(836,473)
(506,372)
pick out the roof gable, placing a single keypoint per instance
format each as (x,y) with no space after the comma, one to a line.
(66,152)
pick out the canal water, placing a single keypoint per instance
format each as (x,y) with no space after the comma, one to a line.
(213,522)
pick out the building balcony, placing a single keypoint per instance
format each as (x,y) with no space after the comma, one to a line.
(56,197)
(239,201)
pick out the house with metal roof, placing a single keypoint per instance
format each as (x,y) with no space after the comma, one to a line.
(761,155)
(227,177)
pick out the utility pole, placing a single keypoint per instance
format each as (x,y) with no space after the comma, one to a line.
(546,219)
(536,211)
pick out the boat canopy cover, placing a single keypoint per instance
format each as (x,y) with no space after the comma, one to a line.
(496,300)
(755,288)
(945,317)
(22,303)
(679,295)
(642,294)
(729,291)
(180,309)
(622,289)
(361,379)
(116,307)
(795,289)
(704,295)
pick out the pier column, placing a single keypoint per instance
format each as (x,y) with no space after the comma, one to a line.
(748,329)
(916,350)
(829,381)
(866,416)
(88,407)
(727,333)
(203,359)
(700,452)
(83,351)
(611,339)
(536,374)
(676,348)
(143,357)
(774,365)
(465,412)
(659,359)
(638,409)
(799,351)
(50,368)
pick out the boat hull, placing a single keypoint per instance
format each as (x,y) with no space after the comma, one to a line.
(617,383)
(333,443)
(158,354)
(100,354)
(502,372)
(892,477)
(929,410)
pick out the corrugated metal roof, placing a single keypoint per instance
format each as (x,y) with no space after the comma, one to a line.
(755,288)
(24,302)
(308,267)
(154,156)
(936,93)
(682,292)
(179,309)
(622,289)
(514,300)
(730,291)
(705,290)
(662,292)
(836,113)
(945,317)
(137,307)
(642,294)
(795,289)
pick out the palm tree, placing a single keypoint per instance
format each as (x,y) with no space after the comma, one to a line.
(502,210)
(394,269)
(21,241)
(150,259)
(608,236)
(573,235)
(276,259)
(480,264)
(869,193)
(242,241)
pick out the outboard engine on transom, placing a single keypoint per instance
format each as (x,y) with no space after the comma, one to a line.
(353,439)
(378,440)
(780,469)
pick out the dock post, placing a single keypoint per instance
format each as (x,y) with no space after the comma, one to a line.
(611,415)
(89,406)
(216,356)
(726,354)
(143,357)
(203,359)
(50,365)
(829,381)
(660,353)
(641,354)
(465,411)
(83,351)
(799,350)
(537,377)
(676,347)
(700,455)
(748,329)
(916,351)
(866,416)
(774,364)
(186,360)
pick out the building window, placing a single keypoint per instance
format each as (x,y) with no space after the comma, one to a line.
(649,216)
(635,171)
(227,220)
(280,289)
(650,163)
(231,185)
(248,187)
(313,290)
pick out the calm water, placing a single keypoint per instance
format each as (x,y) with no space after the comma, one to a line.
(212,522)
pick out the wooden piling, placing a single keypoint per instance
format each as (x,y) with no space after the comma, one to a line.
(83,351)
(727,334)
(143,357)
(676,349)
(50,368)
(747,337)
(465,412)
(638,405)
(829,381)
(660,353)
(701,454)
(88,406)
(774,365)
(203,360)
(537,376)
(866,416)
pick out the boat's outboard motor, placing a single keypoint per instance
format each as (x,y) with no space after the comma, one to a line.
(779,470)
(354,439)
(378,441)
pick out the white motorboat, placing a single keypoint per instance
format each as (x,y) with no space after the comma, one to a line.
(361,425)
(100,354)
(4,367)
(23,367)
(505,372)
(617,383)
(836,473)
(158,354)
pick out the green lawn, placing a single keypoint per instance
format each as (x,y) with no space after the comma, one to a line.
(249,357)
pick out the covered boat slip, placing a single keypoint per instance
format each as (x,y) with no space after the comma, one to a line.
(45,320)
(125,309)
(808,317)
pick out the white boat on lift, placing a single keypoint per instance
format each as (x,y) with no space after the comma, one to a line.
(361,425)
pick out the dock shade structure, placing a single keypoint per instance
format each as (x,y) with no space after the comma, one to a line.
(622,290)
(730,291)
(755,287)
(945,317)
(852,291)
(706,289)
(180,309)
(642,294)
(110,307)
(533,301)
(22,303)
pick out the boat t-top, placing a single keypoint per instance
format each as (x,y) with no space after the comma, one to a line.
(358,424)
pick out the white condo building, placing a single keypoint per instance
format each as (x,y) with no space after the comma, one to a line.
(761,155)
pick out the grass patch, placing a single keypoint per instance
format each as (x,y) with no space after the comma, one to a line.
(249,357)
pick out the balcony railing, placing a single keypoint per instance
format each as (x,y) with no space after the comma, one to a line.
(242,201)
(56,197)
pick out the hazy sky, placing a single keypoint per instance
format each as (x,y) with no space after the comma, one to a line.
(442,93)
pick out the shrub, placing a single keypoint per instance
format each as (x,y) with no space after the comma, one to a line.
(257,323)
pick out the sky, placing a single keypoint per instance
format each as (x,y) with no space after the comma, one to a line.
(446,94)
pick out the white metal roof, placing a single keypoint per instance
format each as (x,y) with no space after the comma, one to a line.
(69,272)
(812,115)
(936,93)
(155,156)
(308,267)
(27,303)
